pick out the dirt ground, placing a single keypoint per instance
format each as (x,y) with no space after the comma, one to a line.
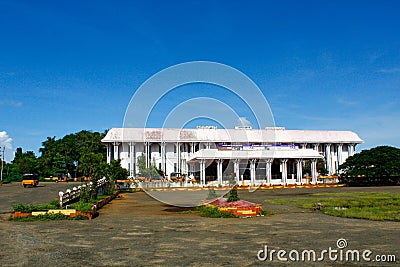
(136,230)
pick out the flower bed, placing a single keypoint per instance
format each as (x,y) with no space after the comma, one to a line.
(67,212)
(70,213)
(240,208)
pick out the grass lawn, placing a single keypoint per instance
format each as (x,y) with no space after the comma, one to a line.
(371,206)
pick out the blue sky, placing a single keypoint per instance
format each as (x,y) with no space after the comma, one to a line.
(72,65)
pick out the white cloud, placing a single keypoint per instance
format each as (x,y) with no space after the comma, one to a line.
(392,70)
(15,104)
(5,140)
(347,102)
(242,121)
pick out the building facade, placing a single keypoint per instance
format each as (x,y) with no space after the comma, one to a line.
(272,155)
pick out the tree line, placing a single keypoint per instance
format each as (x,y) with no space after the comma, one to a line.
(78,154)
(376,166)
(83,154)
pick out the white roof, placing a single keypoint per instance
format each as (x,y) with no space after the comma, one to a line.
(257,154)
(279,135)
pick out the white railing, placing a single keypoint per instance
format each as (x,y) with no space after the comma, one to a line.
(72,195)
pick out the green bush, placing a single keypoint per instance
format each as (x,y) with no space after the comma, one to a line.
(262,213)
(214,212)
(82,206)
(29,207)
(20,207)
(212,194)
(48,217)
(85,194)
(55,203)
(233,195)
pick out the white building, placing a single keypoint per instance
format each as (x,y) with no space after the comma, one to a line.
(272,156)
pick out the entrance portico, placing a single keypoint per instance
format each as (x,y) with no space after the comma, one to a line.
(258,160)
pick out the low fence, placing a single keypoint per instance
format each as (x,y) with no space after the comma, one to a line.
(74,194)
(162,184)
(130,184)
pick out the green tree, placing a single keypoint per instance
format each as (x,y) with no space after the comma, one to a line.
(116,172)
(8,175)
(93,166)
(48,153)
(381,161)
(87,142)
(59,164)
(59,156)
(321,167)
(24,162)
(233,195)
(141,163)
(151,171)
(89,164)
(62,155)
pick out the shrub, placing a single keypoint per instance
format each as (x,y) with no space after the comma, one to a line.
(55,203)
(214,212)
(211,193)
(29,207)
(262,213)
(82,206)
(233,195)
(85,194)
(48,217)
(20,207)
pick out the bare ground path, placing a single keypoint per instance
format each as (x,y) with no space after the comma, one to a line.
(136,230)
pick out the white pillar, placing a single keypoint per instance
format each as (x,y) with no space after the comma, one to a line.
(236,170)
(299,170)
(190,169)
(203,171)
(252,171)
(108,154)
(184,166)
(178,157)
(163,157)
(340,156)
(316,146)
(268,173)
(219,171)
(116,152)
(284,171)
(131,159)
(328,158)
(351,149)
(313,171)
(146,153)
